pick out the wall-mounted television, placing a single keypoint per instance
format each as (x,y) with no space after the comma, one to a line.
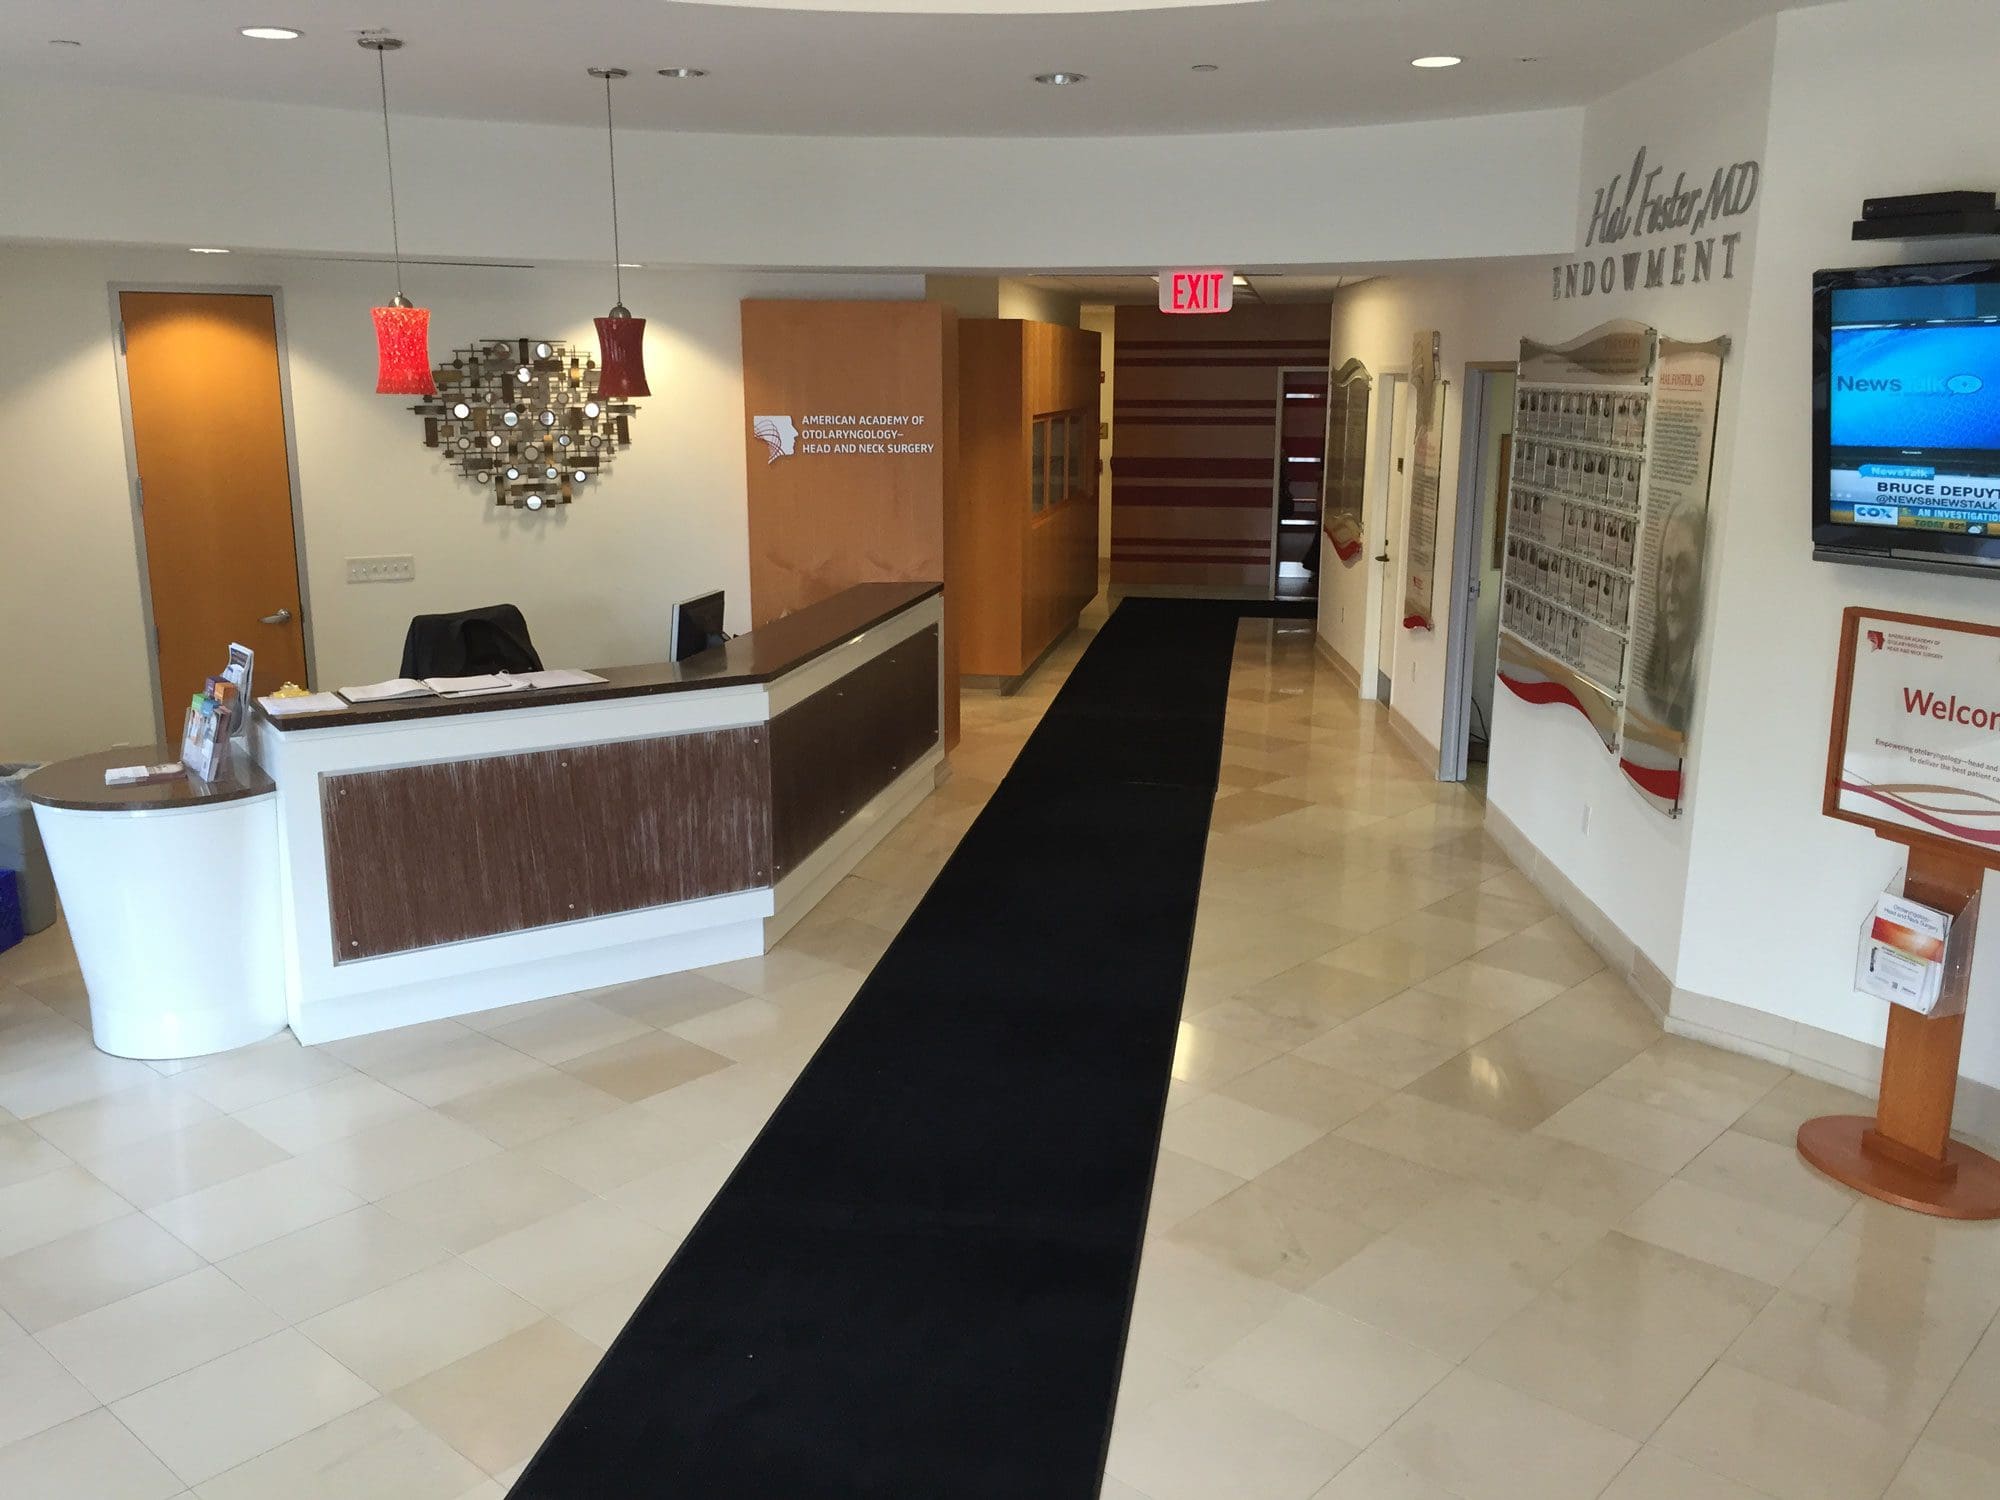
(1906,416)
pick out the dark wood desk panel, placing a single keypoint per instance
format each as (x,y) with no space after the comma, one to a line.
(844,744)
(432,854)
(761,656)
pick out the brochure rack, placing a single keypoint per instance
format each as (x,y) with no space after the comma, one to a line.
(1905,1155)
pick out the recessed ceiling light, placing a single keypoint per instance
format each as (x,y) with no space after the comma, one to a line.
(630,265)
(270,33)
(1062,80)
(684,72)
(206,250)
(1442,60)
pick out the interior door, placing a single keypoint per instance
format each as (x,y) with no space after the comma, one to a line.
(215,487)
(1389,561)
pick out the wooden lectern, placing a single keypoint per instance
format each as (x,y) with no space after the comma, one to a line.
(1905,1154)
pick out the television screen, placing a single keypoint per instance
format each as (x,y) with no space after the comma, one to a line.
(1906,386)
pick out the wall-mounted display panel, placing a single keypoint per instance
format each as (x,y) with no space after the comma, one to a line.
(1606,528)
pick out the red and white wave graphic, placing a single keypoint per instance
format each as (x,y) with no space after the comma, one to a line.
(1956,811)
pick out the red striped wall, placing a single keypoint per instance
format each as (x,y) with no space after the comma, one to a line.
(1196,424)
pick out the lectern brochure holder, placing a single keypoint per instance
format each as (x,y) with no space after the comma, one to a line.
(1914,755)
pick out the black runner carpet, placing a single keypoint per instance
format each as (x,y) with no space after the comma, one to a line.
(917,1282)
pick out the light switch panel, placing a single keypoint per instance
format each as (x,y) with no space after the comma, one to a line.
(381,569)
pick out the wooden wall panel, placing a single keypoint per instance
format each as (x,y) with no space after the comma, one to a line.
(992,496)
(1024,578)
(1197,423)
(431,854)
(832,753)
(820,522)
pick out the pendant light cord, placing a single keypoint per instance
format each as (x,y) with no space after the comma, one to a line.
(611,149)
(389,152)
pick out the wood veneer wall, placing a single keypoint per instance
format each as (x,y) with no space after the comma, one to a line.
(820,522)
(1197,423)
(1022,578)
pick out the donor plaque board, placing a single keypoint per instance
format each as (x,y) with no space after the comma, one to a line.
(1346,459)
(1607,506)
(1915,749)
(1427,395)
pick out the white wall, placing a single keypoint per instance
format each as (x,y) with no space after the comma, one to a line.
(79,164)
(1777,892)
(1017,299)
(597,579)
(1479,317)
(1549,771)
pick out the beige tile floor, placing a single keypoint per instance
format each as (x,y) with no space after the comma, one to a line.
(1440,1214)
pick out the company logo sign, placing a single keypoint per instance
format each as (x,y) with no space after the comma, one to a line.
(1921,385)
(875,434)
(779,434)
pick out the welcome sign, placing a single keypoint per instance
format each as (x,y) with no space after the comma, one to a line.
(1916,733)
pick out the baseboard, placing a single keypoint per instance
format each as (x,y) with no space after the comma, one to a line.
(1344,669)
(1804,1048)
(1413,740)
(1007,687)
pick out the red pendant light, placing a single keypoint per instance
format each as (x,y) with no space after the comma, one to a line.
(621,338)
(402,329)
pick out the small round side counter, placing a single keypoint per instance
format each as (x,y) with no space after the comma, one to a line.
(171,892)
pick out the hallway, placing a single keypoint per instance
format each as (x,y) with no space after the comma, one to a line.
(1439,1213)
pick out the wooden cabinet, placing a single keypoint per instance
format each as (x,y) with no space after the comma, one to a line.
(1027,493)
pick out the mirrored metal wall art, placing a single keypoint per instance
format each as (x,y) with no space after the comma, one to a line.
(525,418)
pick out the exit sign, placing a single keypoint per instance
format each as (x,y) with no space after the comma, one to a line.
(1209,290)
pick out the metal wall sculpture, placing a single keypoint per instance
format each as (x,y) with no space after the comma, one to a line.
(524,416)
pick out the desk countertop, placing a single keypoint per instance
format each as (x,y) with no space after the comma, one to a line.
(765,653)
(78,785)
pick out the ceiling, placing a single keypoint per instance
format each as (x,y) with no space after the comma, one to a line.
(885,67)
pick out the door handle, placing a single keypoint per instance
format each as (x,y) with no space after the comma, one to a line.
(1382,557)
(282,617)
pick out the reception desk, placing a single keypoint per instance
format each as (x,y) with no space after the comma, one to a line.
(438,856)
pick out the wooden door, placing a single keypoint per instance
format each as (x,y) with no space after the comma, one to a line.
(215,487)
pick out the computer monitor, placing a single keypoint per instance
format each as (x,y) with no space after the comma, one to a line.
(697,626)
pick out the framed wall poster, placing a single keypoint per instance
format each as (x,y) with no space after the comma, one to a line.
(1667,583)
(1427,391)
(1346,459)
(1914,751)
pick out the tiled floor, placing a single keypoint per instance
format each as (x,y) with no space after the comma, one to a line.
(1440,1212)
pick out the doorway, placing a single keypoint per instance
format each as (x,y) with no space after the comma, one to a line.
(202,378)
(1391,505)
(1298,483)
(1485,457)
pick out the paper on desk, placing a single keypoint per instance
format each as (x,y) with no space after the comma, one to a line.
(554,677)
(395,687)
(461,687)
(307,703)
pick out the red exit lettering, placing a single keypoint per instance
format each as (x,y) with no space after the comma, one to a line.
(1209,290)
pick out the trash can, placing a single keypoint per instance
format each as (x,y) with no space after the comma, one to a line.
(21,849)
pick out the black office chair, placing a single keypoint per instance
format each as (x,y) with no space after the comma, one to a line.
(469,642)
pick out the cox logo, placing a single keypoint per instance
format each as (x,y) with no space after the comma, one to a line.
(1964,385)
